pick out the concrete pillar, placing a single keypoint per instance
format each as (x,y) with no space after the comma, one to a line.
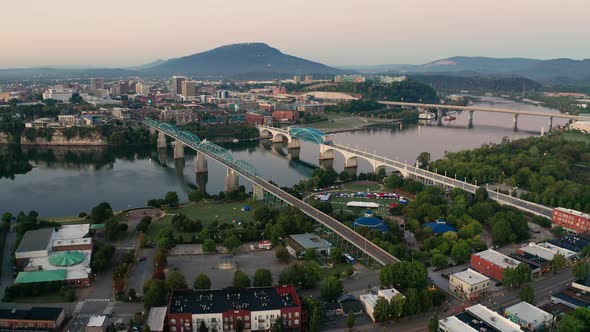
(326,163)
(179,167)
(231,181)
(515,122)
(294,153)
(161,140)
(178,150)
(278,138)
(152,130)
(294,147)
(201,180)
(257,192)
(201,163)
(439,116)
(550,123)
(162,156)
(470,120)
(351,162)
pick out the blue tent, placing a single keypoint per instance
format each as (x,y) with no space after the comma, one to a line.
(368,220)
(440,226)
(245,208)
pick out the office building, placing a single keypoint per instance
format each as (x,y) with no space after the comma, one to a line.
(222,94)
(469,284)
(176,84)
(143,88)
(296,79)
(188,89)
(96,86)
(571,220)
(257,308)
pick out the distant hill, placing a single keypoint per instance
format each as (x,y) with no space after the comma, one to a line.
(483,83)
(148,65)
(256,59)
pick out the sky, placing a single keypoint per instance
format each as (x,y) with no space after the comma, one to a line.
(119,33)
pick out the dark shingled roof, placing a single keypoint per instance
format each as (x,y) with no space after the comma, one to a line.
(35,240)
(222,300)
(35,313)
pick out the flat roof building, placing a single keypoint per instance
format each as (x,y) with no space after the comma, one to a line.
(36,318)
(478,318)
(529,317)
(370,300)
(546,251)
(157,318)
(96,324)
(492,263)
(468,284)
(298,243)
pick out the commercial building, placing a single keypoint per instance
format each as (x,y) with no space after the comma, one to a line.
(96,324)
(62,95)
(188,89)
(222,94)
(477,318)
(157,318)
(469,284)
(143,88)
(176,84)
(298,243)
(36,318)
(259,117)
(529,317)
(55,254)
(571,220)
(120,88)
(96,86)
(287,116)
(571,242)
(121,113)
(257,309)
(492,263)
(67,119)
(370,300)
(546,251)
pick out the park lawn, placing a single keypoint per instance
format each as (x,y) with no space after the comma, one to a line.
(207,212)
(362,186)
(339,268)
(67,220)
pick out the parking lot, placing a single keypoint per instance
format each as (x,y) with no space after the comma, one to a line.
(191,266)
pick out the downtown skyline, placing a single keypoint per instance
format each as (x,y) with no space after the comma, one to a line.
(377,32)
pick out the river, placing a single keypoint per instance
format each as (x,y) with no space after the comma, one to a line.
(66,181)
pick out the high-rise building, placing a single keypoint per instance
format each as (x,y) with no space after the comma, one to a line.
(308,78)
(96,85)
(188,89)
(222,94)
(296,79)
(120,88)
(143,88)
(176,84)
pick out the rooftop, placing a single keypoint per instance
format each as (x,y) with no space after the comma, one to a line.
(35,240)
(455,324)
(79,270)
(470,277)
(96,320)
(223,300)
(498,259)
(571,242)
(40,276)
(546,250)
(310,241)
(35,313)
(479,317)
(156,318)
(528,312)
(440,226)
(70,232)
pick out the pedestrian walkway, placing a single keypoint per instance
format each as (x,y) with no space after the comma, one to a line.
(86,315)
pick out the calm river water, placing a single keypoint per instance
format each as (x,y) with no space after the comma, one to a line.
(67,181)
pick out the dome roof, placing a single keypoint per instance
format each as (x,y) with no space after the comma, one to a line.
(67,258)
(369,221)
(440,226)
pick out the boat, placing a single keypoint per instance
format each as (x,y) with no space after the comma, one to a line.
(235,140)
(427,116)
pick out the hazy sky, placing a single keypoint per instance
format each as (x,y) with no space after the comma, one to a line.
(335,32)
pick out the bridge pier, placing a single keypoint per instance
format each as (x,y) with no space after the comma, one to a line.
(161,140)
(201,163)
(326,157)
(515,122)
(152,130)
(293,148)
(439,116)
(550,123)
(162,156)
(278,138)
(178,150)
(231,181)
(470,120)
(201,180)
(257,192)
(179,167)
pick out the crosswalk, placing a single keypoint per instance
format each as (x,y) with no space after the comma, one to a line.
(98,300)
(86,315)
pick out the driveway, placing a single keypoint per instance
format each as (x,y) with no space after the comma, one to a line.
(143,270)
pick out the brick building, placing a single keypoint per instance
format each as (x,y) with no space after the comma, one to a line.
(571,220)
(492,263)
(257,309)
(36,318)
(286,116)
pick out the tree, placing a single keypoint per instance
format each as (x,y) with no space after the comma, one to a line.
(336,255)
(576,321)
(513,277)
(171,198)
(527,293)
(581,271)
(76,98)
(396,306)
(558,231)
(381,310)
(155,295)
(282,254)
(439,261)
(461,252)
(195,195)
(433,323)
(262,278)
(501,231)
(209,245)
(481,195)
(278,325)
(394,181)
(101,213)
(6,217)
(558,263)
(241,279)
(404,275)
(231,242)
(331,289)
(423,159)
(132,294)
(325,207)
(202,281)
(412,303)
(175,280)
(112,229)
(309,254)
(161,259)
(203,327)
(350,319)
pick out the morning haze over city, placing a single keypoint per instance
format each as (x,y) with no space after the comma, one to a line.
(206,166)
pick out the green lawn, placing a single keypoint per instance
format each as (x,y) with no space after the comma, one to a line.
(362,186)
(207,212)
(67,220)
(338,268)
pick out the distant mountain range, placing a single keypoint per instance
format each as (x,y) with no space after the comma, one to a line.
(548,71)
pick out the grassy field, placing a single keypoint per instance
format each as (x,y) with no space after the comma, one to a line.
(207,212)
(338,268)
(362,186)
